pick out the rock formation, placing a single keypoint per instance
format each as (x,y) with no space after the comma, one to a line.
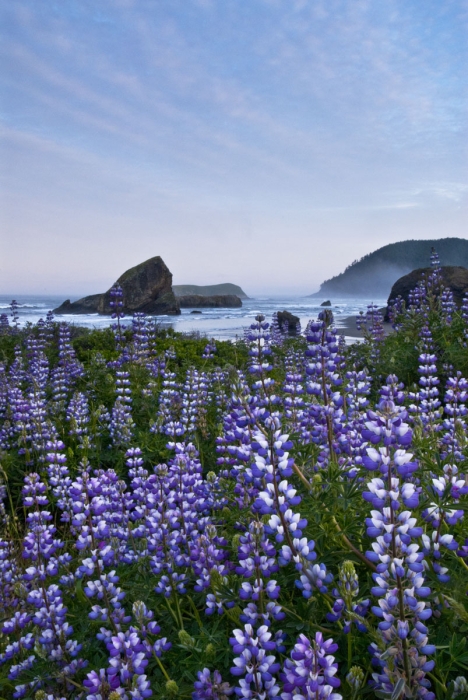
(326,303)
(289,321)
(455,278)
(216,301)
(146,288)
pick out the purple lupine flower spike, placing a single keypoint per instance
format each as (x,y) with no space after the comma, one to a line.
(311,670)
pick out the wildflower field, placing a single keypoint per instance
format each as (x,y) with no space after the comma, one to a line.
(272,518)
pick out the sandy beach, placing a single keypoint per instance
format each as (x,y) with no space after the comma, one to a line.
(347,326)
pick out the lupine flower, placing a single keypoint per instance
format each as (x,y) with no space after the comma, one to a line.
(254,665)
(14,315)
(278,333)
(399,579)
(78,417)
(311,670)
(355,678)
(210,350)
(460,687)
(4,324)
(455,398)
(345,593)
(427,401)
(210,686)
(140,338)
(324,380)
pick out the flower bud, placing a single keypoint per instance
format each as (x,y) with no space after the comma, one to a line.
(216,580)
(348,580)
(210,651)
(139,610)
(355,677)
(172,689)
(40,651)
(210,531)
(460,687)
(185,639)
(316,484)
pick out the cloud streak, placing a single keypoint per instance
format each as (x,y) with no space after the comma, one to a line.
(216,133)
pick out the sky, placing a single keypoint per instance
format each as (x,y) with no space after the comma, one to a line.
(268,143)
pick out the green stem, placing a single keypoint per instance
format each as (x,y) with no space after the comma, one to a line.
(351,546)
(178,611)
(436,680)
(197,614)
(308,622)
(166,675)
(171,610)
(77,685)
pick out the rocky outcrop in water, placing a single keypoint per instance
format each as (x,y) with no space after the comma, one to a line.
(455,278)
(288,322)
(146,288)
(217,301)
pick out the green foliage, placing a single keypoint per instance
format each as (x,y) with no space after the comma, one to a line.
(399,351)
(7,348)
(333,506)
(87,342)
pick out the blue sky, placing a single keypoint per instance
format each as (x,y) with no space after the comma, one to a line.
(263,142)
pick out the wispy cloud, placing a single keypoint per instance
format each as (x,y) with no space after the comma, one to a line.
(311,123)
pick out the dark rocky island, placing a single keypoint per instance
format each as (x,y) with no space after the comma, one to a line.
(217,301)
(454,278)
(288,322)
(373,275)
(146,288)
(209,290)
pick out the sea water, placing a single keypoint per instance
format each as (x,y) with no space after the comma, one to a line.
(222,324)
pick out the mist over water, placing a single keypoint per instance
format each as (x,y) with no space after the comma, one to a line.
(222,324)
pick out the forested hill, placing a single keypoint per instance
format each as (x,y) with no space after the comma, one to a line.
(374,274)
(208,290)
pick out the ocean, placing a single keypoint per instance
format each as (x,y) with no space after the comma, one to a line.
(221,324)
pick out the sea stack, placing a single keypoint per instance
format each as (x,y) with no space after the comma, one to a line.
(289,323)
(147,288)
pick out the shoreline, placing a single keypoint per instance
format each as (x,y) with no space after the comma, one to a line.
(347,326)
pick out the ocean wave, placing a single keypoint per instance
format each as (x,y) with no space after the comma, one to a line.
(24,306)
(212,322)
